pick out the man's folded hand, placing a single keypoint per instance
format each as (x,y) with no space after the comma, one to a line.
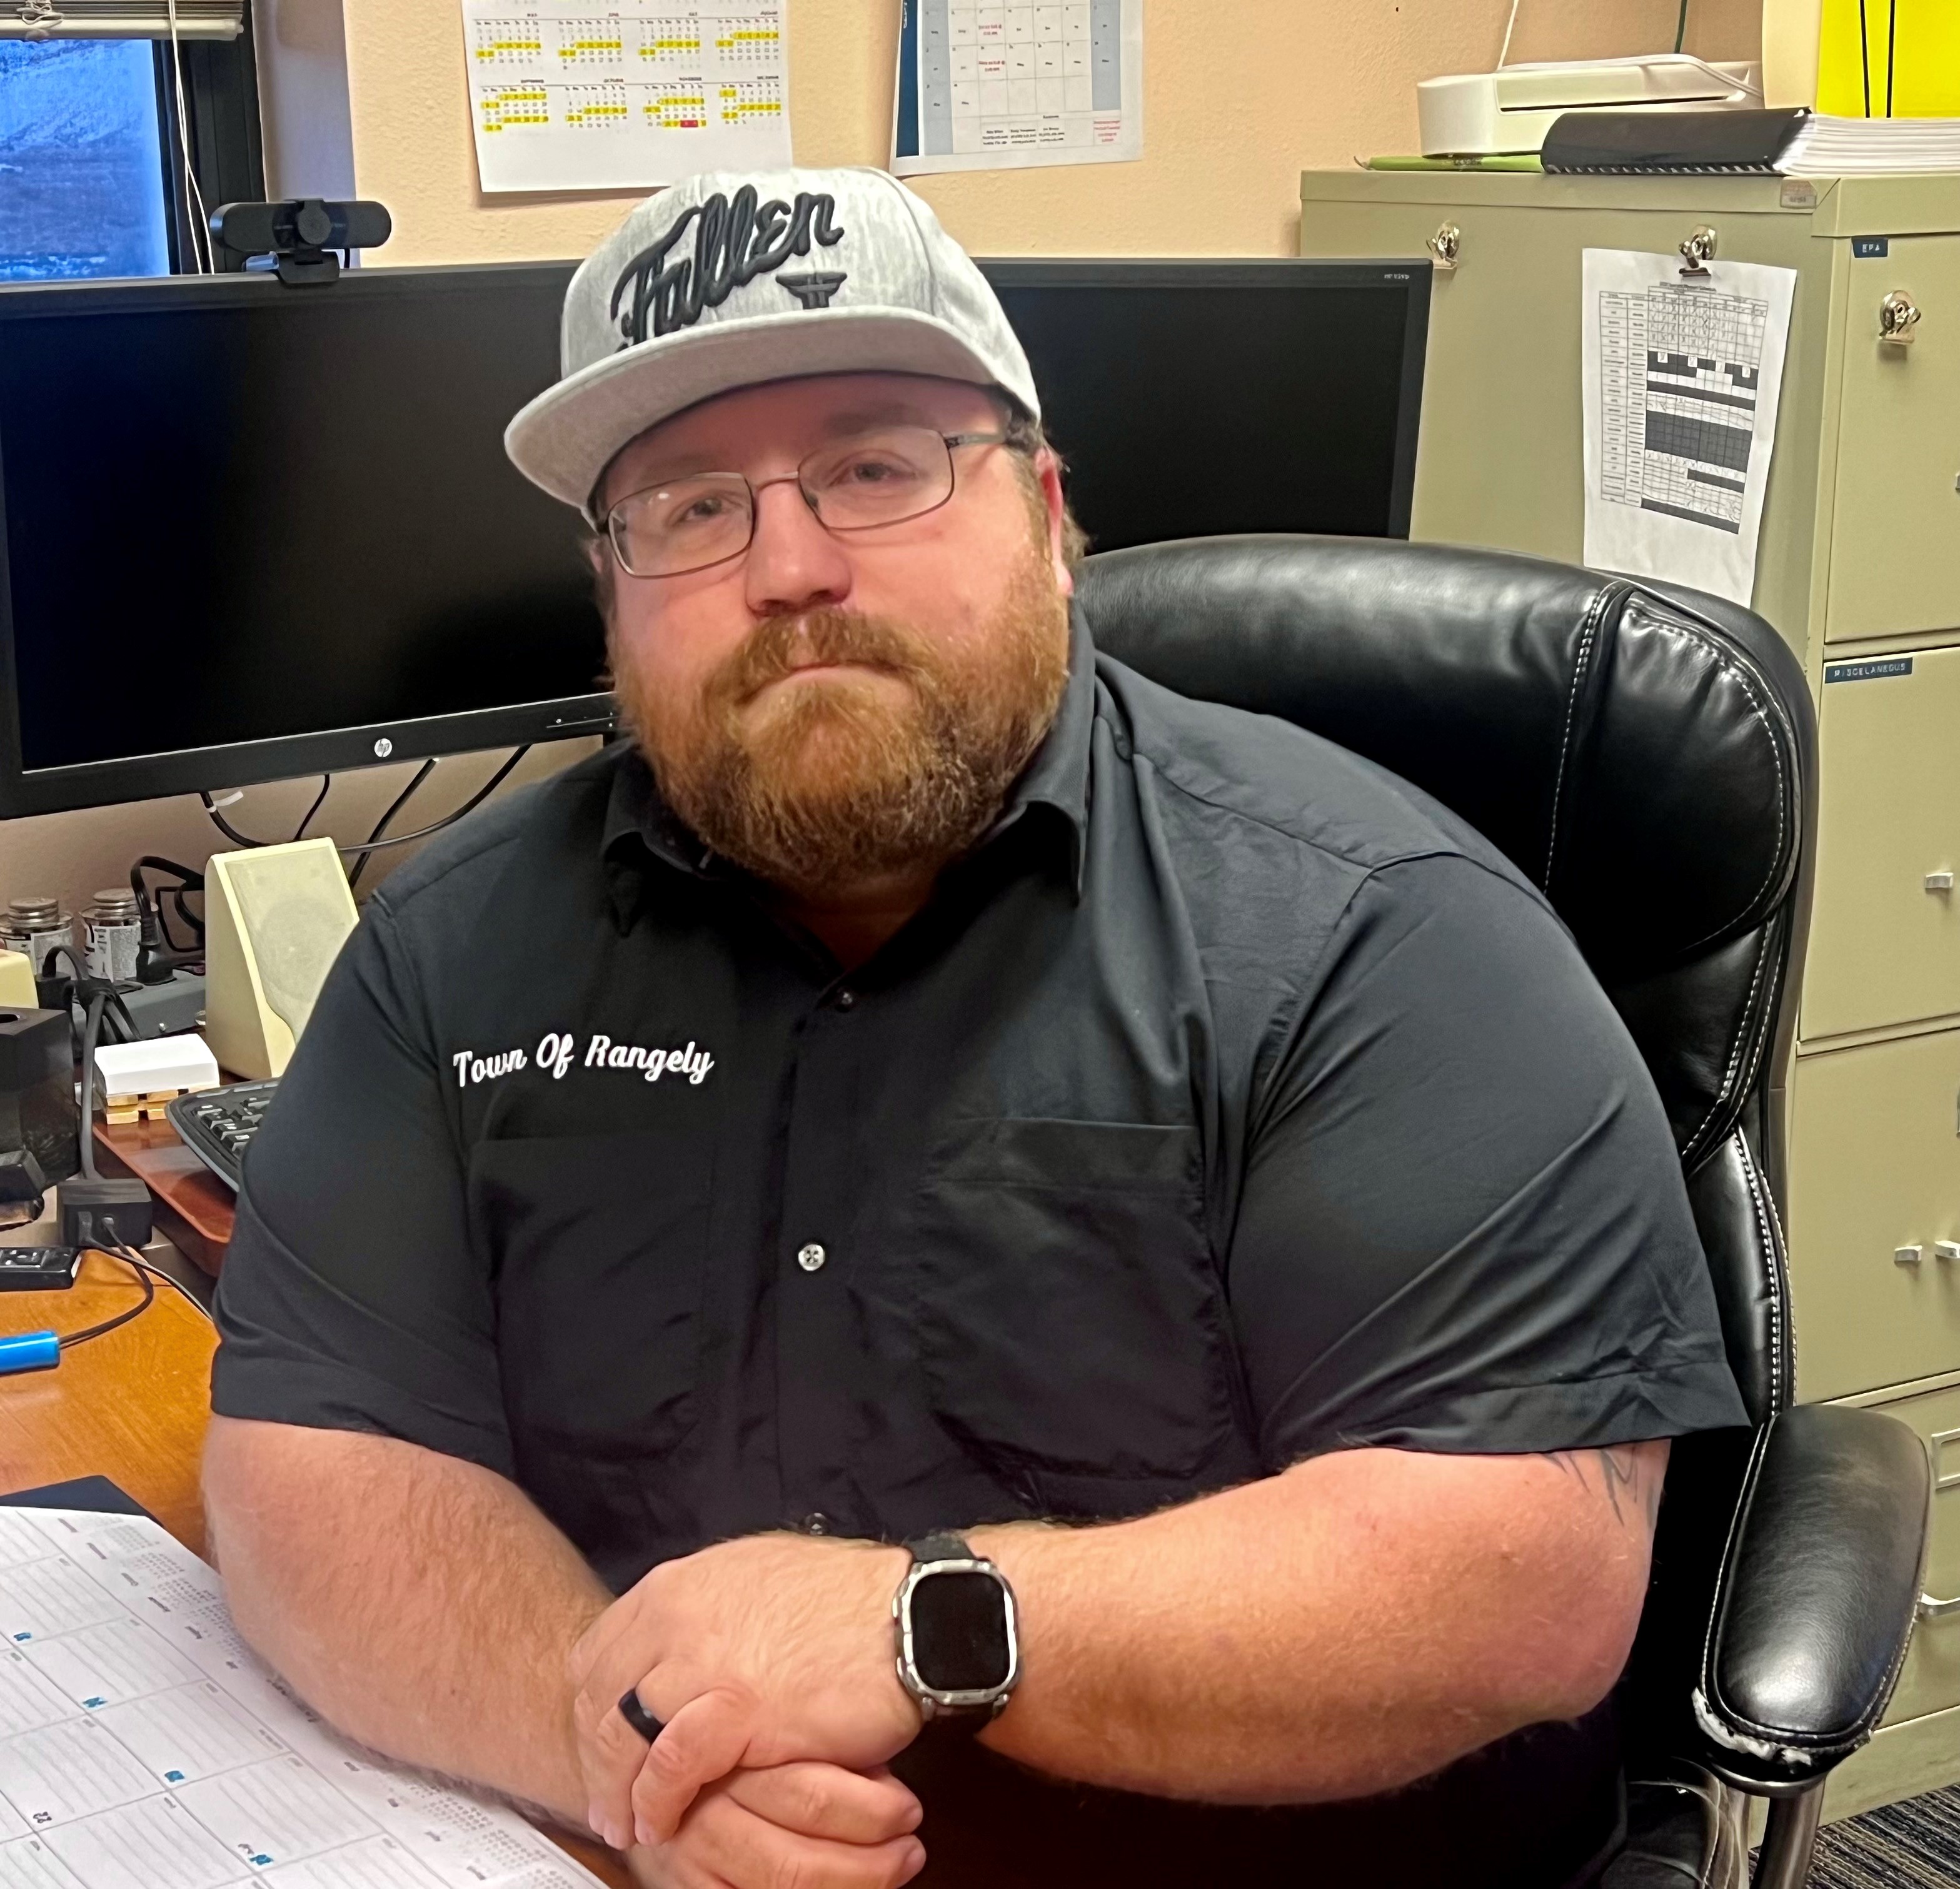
(815,1824)
(753,1654)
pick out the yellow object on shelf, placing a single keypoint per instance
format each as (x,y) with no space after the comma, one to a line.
(1839,55)
(17,982)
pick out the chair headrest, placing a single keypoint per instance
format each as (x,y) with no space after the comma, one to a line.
(1639,751)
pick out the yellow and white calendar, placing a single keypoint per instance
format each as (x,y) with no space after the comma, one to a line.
(564,97)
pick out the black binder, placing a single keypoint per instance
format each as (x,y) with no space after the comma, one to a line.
(1671,144)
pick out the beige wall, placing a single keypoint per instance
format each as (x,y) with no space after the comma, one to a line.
(1240,96)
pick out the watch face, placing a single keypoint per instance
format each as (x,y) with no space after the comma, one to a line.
(960,1633)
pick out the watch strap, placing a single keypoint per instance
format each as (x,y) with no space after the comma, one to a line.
(943,1546)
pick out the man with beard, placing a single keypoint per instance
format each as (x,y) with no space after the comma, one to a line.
(735,1204)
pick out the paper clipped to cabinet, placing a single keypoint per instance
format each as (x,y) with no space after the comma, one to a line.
(563,98)
(143,1746)
(1007,88)
(1681,380)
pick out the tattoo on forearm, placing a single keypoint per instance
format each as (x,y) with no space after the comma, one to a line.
(1621,1475)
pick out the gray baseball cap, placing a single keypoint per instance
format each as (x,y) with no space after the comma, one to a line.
(729,279)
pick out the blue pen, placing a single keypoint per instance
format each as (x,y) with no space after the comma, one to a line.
(29,1351)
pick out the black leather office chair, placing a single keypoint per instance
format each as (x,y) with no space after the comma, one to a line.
(1646,755)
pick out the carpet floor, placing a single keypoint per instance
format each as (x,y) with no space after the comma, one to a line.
(1915,1845)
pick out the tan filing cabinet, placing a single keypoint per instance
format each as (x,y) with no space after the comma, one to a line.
(1859,568)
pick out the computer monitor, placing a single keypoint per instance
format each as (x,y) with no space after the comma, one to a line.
(1193,398)
(253,531)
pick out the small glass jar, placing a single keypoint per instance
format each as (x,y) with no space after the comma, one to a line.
(113,935)
(34,926)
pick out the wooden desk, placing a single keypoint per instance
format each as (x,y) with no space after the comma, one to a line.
(132,1406)
(195,1209)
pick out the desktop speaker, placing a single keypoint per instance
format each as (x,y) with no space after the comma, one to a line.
(18,988)
(276,918)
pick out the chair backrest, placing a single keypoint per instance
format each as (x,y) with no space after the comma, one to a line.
(1644,753)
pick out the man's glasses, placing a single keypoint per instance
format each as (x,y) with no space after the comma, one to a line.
(884,476)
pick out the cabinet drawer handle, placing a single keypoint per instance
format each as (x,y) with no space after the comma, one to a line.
(1898,315)
(1930,1608)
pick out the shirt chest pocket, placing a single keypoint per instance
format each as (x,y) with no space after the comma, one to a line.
(597,1249)
(1070,1321)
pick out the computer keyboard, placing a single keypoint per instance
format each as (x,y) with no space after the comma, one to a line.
(218,1125)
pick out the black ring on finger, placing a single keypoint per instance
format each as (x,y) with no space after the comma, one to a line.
(637,1716)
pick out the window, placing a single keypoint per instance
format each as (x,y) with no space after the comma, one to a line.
(83,188)
(92,146)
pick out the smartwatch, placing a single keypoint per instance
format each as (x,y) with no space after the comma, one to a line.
(953,1619)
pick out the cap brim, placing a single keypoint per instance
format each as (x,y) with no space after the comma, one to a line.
(568,436)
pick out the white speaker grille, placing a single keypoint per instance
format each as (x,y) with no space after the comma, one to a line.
(293,906)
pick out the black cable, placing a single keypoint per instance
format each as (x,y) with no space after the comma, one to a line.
(91,1030)
(225,826)
(147,1276)
(1680,27)
(135,1259)
(382,825)
(232,833)
(156,862)
(102,998)
(68,1339)
(160,946)
(1892,52)
(191,922)
(319,799)
(374,843)
(1865,56)
(469,806)
(189,880)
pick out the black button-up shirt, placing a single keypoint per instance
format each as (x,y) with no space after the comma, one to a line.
(1231,1103)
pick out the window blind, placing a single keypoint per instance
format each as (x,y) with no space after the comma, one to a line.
(119,19)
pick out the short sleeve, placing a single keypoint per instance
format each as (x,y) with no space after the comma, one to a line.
(1463,1227)
(351,1298)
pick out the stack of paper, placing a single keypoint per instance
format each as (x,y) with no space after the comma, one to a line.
(144,1746)
(1826,147)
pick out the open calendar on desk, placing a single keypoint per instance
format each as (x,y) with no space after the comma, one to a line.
(144,1746)
(563,97)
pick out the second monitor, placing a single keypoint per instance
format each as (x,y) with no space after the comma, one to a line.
(1194,398)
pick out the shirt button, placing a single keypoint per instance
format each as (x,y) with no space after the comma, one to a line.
(818,1523)
(811,1257)
(847,999)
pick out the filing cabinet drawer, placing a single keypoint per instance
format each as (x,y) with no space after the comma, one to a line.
(1874,1166)
(1892,564)
(1885,938)
(1930,1681)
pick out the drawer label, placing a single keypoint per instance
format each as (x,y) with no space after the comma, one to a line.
(1871,245)
(1868,671)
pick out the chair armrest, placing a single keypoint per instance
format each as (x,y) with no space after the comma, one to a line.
(1814,1604)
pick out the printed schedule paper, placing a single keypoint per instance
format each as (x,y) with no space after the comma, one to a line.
(1001,87)
(144,1746)
(1682,376)
(565,99)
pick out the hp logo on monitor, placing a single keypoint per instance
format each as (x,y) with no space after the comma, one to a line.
(383,748)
